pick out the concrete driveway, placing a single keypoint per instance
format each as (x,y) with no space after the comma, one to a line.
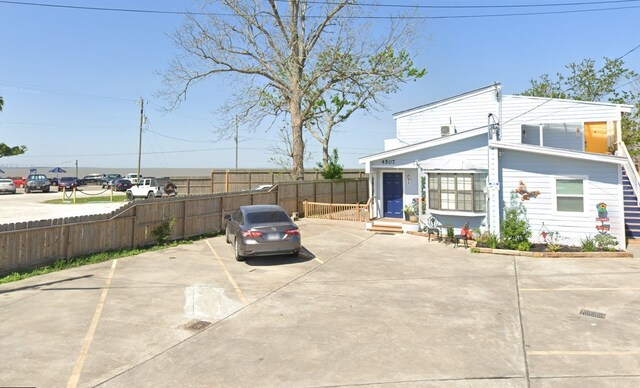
(355,309)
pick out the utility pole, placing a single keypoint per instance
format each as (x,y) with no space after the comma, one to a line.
(140,136)
(236,139)
(76,168)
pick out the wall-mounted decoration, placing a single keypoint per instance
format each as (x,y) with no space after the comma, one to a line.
(525,194)
(603,216)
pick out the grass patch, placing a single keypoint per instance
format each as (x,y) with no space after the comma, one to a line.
(81,198)
(95,258)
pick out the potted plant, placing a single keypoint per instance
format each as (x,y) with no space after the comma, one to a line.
(408,212)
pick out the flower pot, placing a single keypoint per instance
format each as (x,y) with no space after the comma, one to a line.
(413,218)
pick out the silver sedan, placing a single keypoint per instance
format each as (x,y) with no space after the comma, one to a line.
(7,186)
(259,230)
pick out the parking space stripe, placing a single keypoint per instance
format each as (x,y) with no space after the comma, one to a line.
(233,282)
(579,289)
(77,369)
(318,260)
(580,353)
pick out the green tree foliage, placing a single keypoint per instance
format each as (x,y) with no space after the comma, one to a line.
(332,170)
(587,83)
(6,150)
(515,228)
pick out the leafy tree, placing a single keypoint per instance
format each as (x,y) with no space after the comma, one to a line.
(6,150)
(515,227)
(587,83)
(287,60)
(331,170)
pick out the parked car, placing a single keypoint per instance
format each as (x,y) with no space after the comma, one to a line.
(133,177)
(19,181)
(122,184)
(93,179)
(7,186)
(53,181)
(257,230)
(37,182)
(68,183)
(108,180)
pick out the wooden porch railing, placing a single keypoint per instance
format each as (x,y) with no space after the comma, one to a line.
(336,211)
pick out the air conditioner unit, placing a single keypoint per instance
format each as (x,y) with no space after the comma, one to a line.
(447,129)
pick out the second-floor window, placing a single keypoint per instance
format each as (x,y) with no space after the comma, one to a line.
(457,192)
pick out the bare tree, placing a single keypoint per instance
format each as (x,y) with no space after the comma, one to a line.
(282,61)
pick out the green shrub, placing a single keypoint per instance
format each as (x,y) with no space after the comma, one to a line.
(605,242)
(524,246)
(332,170)
(492,241)
(515,227)
(163,231)
(450,233)
(588,244)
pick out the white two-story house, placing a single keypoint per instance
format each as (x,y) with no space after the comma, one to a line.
(461,159)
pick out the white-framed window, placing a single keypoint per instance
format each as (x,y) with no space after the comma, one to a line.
(457,192)
(570,195)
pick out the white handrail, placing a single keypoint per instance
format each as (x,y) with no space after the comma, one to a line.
(630,169)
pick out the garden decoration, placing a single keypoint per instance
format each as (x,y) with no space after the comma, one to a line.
(524,193)
(544,232)
(603,216)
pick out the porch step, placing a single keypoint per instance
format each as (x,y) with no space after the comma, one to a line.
(397,229)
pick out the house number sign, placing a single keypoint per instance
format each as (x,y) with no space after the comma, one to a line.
(388,161)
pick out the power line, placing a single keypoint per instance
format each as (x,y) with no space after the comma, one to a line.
(570,4)
(628,52)
(152,11)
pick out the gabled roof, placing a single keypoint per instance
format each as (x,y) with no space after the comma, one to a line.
(559,152)
(425,144)
(447,100)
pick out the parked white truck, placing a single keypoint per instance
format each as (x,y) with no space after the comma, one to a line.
(152,188)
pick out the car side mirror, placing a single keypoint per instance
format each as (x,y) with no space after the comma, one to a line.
(227,217)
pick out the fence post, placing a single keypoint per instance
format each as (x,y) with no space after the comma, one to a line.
(305,206)
(357,211)
(226,182)
(188,186)
(212,181)
(297,197)
(250,182)
(184,218)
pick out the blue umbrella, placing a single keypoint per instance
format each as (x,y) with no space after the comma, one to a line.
(57,170)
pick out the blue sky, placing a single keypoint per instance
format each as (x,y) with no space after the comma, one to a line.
(71,79)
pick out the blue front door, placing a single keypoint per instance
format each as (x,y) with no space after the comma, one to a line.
(392,194)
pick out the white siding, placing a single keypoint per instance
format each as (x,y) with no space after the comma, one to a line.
(538,172)
(518,110)
(464,154)
(466,113)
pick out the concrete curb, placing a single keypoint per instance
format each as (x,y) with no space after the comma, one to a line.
(557,255)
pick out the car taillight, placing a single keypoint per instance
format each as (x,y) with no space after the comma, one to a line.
(291,232)
(251,233)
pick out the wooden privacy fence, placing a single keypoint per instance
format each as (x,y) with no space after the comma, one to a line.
(27,245)
(222,181)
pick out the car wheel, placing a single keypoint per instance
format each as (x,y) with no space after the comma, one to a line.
(150,195)
(27,191)
(129,196)
(45,190)
(226,235)
(237,251)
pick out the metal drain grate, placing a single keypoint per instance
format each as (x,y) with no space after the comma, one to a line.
(197,325)
(593,314)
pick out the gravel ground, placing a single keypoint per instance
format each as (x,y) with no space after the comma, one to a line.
(21,207)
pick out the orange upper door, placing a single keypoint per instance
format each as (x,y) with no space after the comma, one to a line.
(595,137)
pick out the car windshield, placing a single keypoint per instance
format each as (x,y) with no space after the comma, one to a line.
(267,217)
(66,179)
(6,181)
(34,177)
